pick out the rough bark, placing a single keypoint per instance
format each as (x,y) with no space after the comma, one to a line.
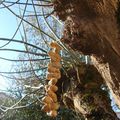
(85,95)
(91,27)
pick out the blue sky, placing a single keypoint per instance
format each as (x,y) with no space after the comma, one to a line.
(8,26)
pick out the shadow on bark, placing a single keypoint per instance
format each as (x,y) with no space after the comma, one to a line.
(91,27)
(87,95)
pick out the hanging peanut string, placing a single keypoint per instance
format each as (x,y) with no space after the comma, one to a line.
(50,101)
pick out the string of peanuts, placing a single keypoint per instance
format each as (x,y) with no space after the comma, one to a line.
(50,101)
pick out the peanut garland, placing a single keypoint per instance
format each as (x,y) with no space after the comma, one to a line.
(50,101)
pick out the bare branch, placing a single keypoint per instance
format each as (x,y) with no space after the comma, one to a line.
(29,23)
(23,71)
(23,42)
(17,26)
(22,60)
(21,3)
(23,51)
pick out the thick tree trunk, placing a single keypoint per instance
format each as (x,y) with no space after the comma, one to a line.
(85,95)
(91,28)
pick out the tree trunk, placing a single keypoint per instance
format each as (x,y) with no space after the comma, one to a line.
(91,27)
(87,95)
